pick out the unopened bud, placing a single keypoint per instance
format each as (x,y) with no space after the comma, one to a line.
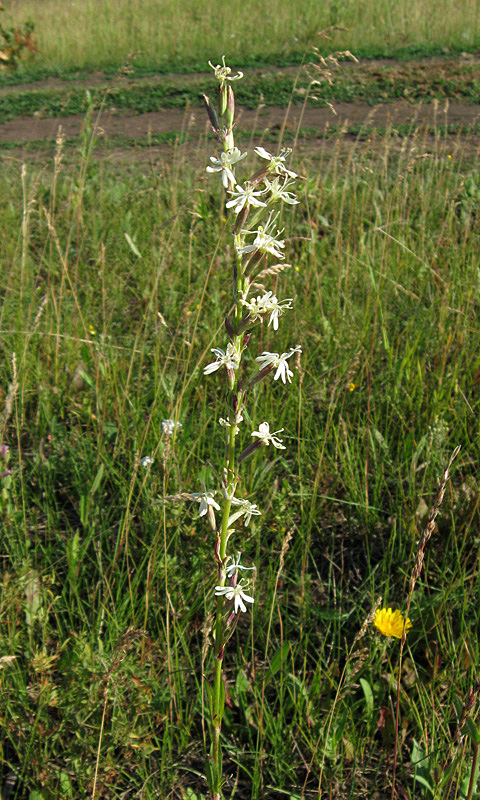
(259,376)
(230,110)
(252,261)
(252,448)
(211,518)
(259,176)
(222,99)
(241,218)
(212,114)
(229,329)
(228,139)
(242,326)
(231,378)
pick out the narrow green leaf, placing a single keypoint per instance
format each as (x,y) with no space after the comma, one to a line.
(277,661)
(367,691)
(98,478)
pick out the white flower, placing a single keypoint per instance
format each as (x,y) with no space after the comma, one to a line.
(266,437)
(267,304)
(277,163)
(278,192)
(279,362)
(244,197)
(146,461)
(223,73)
(169,425)
(264,241)
(235,593)
(235,565)
(225,423)
(228,358)
(205,499)
(225,163)
(246,509)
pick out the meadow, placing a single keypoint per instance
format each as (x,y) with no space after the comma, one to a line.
(171,36)
(113,286)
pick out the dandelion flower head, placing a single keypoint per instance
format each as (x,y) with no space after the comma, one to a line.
(390,622)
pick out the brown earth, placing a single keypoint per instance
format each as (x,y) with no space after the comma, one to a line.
(113,124)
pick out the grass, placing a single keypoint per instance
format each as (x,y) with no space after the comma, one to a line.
(170,37)
(105,589)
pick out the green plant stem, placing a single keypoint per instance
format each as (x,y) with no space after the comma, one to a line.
(218,701)
(218,695)
(221,546)
(471,784)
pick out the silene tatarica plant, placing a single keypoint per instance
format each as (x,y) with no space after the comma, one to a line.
(259,252)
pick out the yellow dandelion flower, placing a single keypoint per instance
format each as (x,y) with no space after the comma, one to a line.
(92,330)
(352,386)
(390,622)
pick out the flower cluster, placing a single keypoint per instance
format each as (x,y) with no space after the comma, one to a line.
(263,305)
(257,237)
(169,426)
(254,203)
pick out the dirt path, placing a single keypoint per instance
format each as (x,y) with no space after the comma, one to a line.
(116,126)
(114,123)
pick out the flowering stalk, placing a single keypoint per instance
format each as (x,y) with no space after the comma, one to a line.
(255,238)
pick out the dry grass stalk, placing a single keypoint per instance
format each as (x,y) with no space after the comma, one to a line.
(10,398)
(417,569)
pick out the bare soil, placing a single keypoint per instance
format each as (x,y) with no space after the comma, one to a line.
(115,124)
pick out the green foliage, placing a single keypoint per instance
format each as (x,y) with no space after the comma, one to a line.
(104,588)
(468,200)
(15,42)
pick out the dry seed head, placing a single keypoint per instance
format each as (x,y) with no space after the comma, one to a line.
(368,620)
(467,709)
(11,394)
(430,527)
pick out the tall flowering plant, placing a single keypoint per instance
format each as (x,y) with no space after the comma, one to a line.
(258,252)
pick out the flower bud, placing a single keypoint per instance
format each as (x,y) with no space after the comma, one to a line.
(259,176)
(241,218)
(228,141)
(212,114)
(230,110)
(242,326)
(222,99)
(259,376)
(252,448)
(211,518)
(251,261)
(231,378)
(229,329)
